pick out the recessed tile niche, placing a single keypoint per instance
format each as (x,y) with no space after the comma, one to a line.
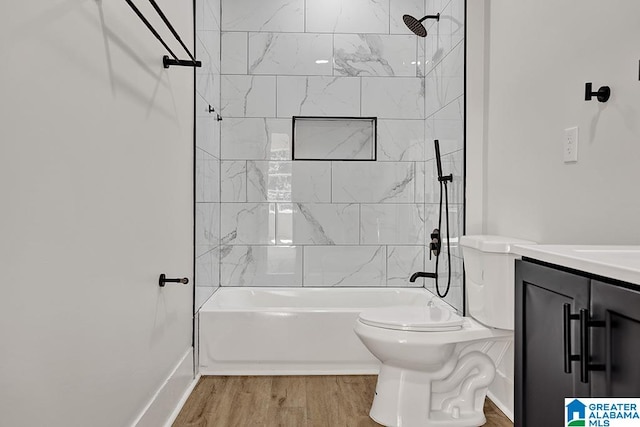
(334,138)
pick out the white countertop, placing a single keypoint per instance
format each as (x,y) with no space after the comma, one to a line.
(616,262)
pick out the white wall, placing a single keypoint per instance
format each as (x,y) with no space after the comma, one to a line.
(476,100)
(527,66)
(541,55)
(96,184)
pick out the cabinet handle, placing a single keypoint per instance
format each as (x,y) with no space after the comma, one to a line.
(567,317)
(585,324)
(584,345)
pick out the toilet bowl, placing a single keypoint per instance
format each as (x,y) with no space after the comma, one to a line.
(434,367)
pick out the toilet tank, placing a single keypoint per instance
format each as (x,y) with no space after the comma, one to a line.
(489,265)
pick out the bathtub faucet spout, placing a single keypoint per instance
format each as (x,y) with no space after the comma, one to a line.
(414,276)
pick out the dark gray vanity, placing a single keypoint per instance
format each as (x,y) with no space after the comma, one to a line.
(577,332)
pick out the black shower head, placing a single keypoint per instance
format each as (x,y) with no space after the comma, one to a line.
(415,25)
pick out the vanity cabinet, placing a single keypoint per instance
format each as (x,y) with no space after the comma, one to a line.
(575,336)
(616,345)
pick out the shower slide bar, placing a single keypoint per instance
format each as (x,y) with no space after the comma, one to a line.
(166,60)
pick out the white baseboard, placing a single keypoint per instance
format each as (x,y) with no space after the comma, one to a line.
(501,394)
(275,369)
(185,396)
(168,400)
(503,406)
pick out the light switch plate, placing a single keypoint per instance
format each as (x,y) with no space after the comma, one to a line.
(571,145)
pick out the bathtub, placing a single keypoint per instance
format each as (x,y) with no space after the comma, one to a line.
(291,331)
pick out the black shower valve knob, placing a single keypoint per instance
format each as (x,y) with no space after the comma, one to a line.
(436,244)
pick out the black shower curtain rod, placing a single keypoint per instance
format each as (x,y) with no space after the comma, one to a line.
(166,61)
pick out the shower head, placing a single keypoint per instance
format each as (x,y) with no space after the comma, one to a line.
(415,25)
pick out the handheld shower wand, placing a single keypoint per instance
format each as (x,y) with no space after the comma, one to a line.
(443,180)
(436,239)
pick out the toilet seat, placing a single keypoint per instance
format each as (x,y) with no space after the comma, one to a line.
(412,318)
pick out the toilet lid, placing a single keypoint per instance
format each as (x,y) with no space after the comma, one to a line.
(412,318)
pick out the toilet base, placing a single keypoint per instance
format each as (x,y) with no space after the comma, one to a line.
(452,396)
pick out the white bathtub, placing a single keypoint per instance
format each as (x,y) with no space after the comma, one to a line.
(291,331)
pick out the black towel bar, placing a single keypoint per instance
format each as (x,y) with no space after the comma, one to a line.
(166,60)
(163,280)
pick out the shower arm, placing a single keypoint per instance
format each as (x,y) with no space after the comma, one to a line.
(436,17)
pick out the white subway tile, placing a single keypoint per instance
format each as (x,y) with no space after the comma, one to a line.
(234,53)
(457,20)
(311,182)
(318,96)
(401,224)
(359,55)
(347,16)
(402,262)
(248,96)
(306,181)
(260,15)
(211,14)
(208,51)
(233,181)
(290,54)
(269,181)
(207,177)
(393,98)
(256,139)
(373,182)
(208,269)
(247,223)
(401,140)
(344,266)
(207,227)
(208,135)
(445,83)
(261,266)
(317,224)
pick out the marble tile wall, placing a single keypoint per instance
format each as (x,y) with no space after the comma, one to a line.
(443,68)
(333,223)
(207,274)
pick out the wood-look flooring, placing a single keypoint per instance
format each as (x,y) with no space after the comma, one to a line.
(290,401)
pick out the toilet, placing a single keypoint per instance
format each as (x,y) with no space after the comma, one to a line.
(435,370)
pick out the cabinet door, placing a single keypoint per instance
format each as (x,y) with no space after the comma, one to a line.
(616,345)
(541,383)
